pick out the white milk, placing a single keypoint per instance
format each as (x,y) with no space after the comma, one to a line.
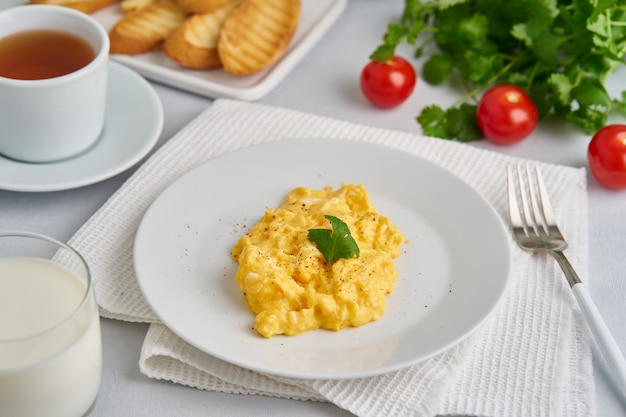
(54,373)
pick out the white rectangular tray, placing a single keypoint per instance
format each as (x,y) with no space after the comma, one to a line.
(317,16)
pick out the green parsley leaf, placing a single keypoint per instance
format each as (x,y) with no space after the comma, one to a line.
(395,34)
(477,67)
(461,123)
(433,121)
(437,69)
(456,122)
(383,53)
(335,244)
(562,86)
(594,105)
(620,104)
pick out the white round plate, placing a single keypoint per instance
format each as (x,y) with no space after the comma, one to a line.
(452,272)
(132,126)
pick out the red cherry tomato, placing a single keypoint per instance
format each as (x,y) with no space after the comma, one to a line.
(506,114)
(607,156)
(387,84)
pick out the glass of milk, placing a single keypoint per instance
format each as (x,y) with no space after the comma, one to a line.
(50,343)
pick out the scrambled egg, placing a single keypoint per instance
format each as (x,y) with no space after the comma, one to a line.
(288,284)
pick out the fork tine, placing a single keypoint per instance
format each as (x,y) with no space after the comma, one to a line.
(514,212)
(525,188)
(548,214)
(539,223)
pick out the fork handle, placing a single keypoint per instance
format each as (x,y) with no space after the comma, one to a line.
(599,329)
(602,334)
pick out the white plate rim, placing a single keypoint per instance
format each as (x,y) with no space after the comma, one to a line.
(146,236)
(104,159)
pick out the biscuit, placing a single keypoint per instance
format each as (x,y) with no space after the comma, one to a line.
(140,31)
(134,5)
(194,43)
(256,34)
(85,6)
(202,6)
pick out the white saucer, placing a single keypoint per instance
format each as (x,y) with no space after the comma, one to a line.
(132,126)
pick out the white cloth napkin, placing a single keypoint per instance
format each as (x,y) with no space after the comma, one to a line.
(531,358)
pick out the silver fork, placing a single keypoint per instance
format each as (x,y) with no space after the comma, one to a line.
(535,229)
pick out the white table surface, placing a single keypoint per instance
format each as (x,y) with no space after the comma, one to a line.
(325,82)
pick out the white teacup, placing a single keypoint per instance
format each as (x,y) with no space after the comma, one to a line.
(48,119)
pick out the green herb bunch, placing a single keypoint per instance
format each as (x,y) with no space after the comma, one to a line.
(559,51)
